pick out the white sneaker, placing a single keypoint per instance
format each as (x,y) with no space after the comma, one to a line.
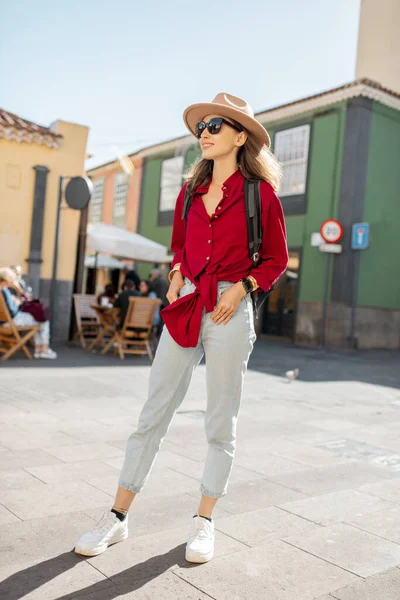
(49,353)
(109,530)
(200,547)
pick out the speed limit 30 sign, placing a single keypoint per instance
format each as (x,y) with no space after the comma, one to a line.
(331,231)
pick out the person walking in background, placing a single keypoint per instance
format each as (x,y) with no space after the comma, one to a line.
(210,310)
(122,301)
(22,318)
(133,276)
(160,286)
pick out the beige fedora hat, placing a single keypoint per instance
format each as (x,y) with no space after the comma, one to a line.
(226,105)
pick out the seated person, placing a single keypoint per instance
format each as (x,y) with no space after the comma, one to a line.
(108,294)
(21,318)
(122,301)
(20,286)
(147,291)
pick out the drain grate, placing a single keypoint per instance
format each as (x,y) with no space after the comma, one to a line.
(192,414)
(365,452)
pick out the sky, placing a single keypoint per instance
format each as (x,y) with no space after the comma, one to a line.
(128,69)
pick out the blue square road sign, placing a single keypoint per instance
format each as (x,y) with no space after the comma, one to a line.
(360,236)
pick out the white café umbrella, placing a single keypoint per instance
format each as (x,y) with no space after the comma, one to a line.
(119,242)
(102,261)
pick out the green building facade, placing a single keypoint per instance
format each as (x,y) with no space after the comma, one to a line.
(341,154)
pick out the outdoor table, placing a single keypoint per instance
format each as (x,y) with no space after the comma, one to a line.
(109,321)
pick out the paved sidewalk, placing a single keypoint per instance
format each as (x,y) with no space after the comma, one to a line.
(313,507)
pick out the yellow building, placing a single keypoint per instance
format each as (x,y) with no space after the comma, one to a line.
(32,159)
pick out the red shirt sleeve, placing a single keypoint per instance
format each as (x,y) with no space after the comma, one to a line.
(274,253)
(179,229)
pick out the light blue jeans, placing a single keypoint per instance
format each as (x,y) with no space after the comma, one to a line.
(227,349)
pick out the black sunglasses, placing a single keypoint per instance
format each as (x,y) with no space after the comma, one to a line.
(214,126)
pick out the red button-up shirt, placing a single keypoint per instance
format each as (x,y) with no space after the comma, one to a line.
(212,249)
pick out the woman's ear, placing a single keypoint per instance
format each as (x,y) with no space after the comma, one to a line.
(241,139)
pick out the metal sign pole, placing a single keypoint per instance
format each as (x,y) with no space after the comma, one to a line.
(325,303)
(53,284)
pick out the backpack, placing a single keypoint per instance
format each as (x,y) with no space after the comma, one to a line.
(254,230)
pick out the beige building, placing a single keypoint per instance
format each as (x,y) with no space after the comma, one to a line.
(378,53)
(32,159)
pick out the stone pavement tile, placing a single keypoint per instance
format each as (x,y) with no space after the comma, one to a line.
(17,479)
(248,444)
(71,471)
(116,462)
(333,478)
(31,420)
(335,425)
(271,571)
(389,490)
(7,517)
(44,537)
(90,430)
(384,585)
(390,441)
(269,465)
(257,526)
(313,457)
(350,548)
(258,493)
(83,452)
(26,458)
(49,579)
(166,586)
(336,506)
(384,523)
(14,438)
(157,513)
(52,499)
(140,557)
(121,444)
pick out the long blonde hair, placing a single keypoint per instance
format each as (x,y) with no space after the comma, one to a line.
(253,164)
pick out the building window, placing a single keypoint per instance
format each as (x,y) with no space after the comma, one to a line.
(120,197)
(96,203)
(171,182)
(291,149)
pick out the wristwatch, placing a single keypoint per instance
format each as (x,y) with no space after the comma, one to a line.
(247,284)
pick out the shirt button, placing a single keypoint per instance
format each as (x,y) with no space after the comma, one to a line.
(219,208)
(210,225)
(209,241)
(208,258)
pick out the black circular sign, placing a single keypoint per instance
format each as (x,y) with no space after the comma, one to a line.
(78,192)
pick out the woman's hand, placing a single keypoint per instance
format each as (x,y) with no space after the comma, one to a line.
(175,287)
(228,304)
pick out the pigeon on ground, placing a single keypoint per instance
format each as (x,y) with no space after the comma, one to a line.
(292,375)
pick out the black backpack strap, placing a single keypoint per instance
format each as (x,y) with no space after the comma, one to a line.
(186,204)
(253,216)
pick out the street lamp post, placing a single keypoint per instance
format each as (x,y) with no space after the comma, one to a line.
(78,193)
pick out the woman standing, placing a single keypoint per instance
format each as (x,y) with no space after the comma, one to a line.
(210,310)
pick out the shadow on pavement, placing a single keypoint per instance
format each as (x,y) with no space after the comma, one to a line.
(377,367)
(26,581)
